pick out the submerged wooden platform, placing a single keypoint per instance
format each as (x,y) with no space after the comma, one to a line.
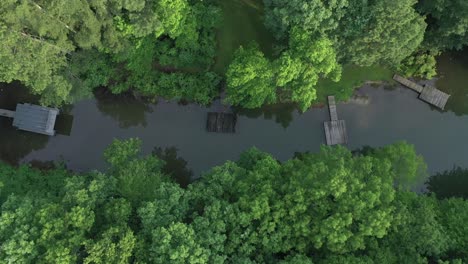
(221,122)
(335,130)
(427,93)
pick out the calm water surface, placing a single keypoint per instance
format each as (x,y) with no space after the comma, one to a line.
(391,114)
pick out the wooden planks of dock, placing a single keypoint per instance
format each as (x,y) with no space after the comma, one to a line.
(412,85)
(35,118)
(335,130)
(427,93)
(434,97)
(7,113)
(332,108)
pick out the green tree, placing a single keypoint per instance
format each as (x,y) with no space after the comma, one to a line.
(417,227)
(312,15)
(453,216)
(318,201)
(52,226)
(249,79)
(39,37)
(421,65)
(448,27)
(137,178)
(409,168)
(300,67)
(379,32)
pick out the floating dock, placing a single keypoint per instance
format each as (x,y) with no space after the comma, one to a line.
(427,93)
(335,130)
(33,118)
(221,122)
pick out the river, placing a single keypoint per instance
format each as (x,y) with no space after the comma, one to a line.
(391,114)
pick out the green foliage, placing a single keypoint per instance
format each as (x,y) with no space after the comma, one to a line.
(249,79)
(253,81)
(51,226)
(409,168)
(312,15)
(313,58)
(421,65)
(136,177)
(448,27)
(379,32)
(327,207)
(64,51)
(365,33)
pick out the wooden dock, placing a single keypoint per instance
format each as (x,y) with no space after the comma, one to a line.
(335,130)
(427,93)
(33,118)
(221,122)
(7,113)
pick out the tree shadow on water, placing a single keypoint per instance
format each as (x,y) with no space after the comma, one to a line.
(175,166)
(127,110)
(282,114)
(452,70)
(451,183)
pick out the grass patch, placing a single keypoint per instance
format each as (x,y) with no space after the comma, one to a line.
(353,77)
(242,23)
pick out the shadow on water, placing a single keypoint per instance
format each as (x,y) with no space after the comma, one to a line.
(125,109)
(282,114)
(16,144)
(453,68)
(175,166)
(450,183)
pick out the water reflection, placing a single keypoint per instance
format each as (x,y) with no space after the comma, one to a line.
(124,108)
(175,166)
(452,183)
(282,114)
(453,69)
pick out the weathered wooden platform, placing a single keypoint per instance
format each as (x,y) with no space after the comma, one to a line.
(427,93)
(434,97)
(221,122)
(34,118)
(335,130)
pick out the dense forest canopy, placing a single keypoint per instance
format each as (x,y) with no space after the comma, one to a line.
(162,48)
(328,207)
(63,51)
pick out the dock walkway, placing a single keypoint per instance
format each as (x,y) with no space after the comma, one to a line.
(335,130)
(427,93)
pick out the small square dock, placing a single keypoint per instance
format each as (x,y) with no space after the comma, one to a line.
(434,97)
(34,118)
(221,122)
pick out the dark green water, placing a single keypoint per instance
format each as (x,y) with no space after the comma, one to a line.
(178,132)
